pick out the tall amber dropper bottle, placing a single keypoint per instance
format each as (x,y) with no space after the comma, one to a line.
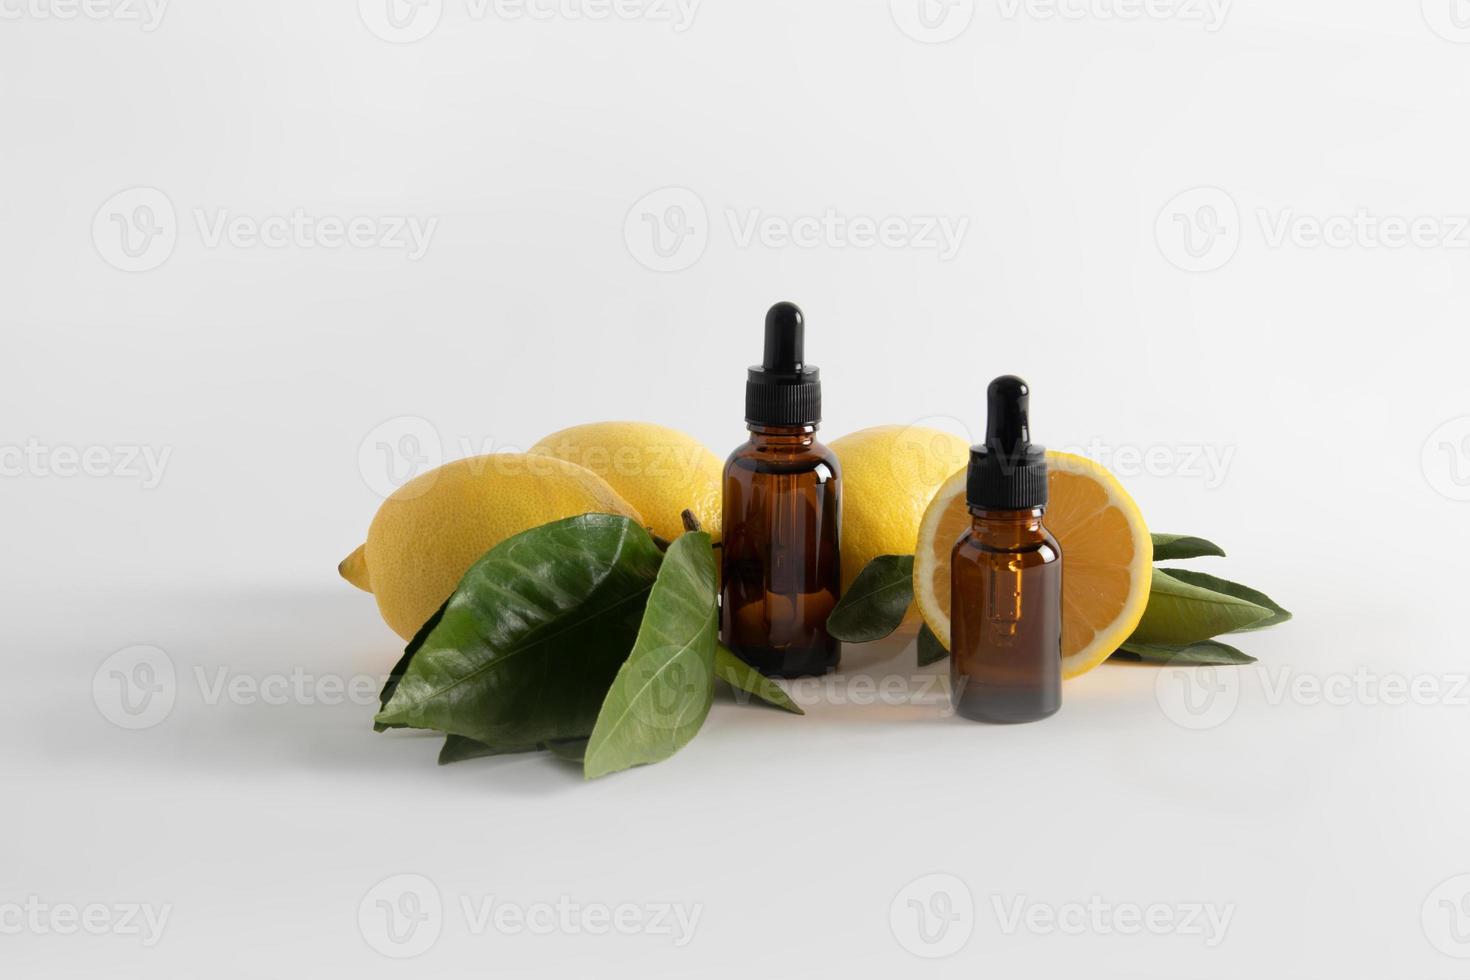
(782,512)
(1006,575)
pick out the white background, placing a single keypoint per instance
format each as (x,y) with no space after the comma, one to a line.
(1330,376)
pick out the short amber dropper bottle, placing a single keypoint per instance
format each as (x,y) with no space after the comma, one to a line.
(1006,575)
(780,573)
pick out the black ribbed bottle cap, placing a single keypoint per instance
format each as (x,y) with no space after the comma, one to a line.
(1007,472)
(783,389)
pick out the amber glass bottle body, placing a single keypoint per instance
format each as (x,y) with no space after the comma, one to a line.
(780,574)
(1006,620)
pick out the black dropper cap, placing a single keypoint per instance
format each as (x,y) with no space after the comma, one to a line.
(1007,472)
(783,389)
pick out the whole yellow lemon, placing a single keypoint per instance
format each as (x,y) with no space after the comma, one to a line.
(660,471)
(434,527)
(889,475)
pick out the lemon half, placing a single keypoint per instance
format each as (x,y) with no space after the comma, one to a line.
(1107,558)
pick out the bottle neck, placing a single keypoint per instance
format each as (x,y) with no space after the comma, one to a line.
(1008,528)
(782,436)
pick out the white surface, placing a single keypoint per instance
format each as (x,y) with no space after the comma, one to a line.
(1323,374)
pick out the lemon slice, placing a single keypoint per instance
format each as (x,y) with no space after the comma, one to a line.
(1107,558)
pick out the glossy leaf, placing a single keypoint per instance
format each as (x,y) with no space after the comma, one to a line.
(457,748)
(525,649)
(1227,587)
(1175,547)
(747,680)
(1204,653)
(396,674)
(1180,613)
(663,692)
(931,651)
(876,602)
(570,749)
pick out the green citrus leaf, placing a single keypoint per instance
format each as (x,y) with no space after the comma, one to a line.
(747,680)
(1217,584)
(931,651)
(396,674)
(457,748)
(1180,613)
(1174,547)
(529,642)
(875,604)
(1204,653)
(570,749)
(663,692)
